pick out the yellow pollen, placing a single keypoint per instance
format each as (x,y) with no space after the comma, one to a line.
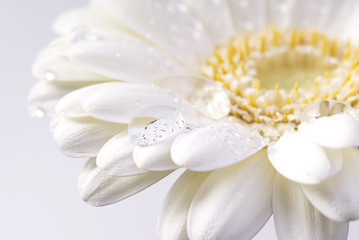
(292,38)
(351,93)
(251,101)
(271,77)
(262,43)
(314,37)
(325,96)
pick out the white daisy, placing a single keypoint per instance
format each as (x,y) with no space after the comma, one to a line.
(257,100)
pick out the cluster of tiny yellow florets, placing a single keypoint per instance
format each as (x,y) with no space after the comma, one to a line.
(256,70)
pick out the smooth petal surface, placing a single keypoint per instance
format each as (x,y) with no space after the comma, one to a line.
(243,13)
(215,146)
(295,217)
(172,221)
(116,157)
(337,131)
(120,102)
(215,16)
(119,56)
(233,202)
(84,137)
(86,16)
(155,157)
(168,24)
(299,159)
(71,104)
(98,188)
(59,68)
(338,197)
(45,95)
(206,96)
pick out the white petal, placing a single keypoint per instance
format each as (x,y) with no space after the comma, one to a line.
(119,56)
(298,158)
(84,137)
(215,146)
(172,221)
(116,157)
(234,202)
(337,131)
(45,95)
(338,197)
(88,16)
(156,157)
(120,102)
(205,95)
(296,219)
(215,16)
(59,68)
(155,124)
(248,15)
(98,188)
(168,24)
(280,13)
(71,104)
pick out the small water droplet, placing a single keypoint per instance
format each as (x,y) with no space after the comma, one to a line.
(49,76)
(83,33)
(38,113)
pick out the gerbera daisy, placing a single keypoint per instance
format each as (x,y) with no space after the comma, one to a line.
(257,100)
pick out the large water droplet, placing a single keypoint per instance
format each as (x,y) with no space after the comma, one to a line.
(205,95)
(155,124)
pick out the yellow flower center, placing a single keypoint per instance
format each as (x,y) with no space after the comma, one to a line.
(271,77)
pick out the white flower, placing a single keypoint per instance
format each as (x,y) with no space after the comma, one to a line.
(257,100)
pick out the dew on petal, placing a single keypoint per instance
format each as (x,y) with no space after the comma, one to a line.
(327,108)
(155,124)
(49,76)
(37,113)
(82,33)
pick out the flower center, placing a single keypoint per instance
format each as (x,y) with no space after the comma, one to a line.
(272,76)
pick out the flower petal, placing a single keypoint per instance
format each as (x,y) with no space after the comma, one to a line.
(338,197)
(233,202)
(98,188)
(215,146)
(85,16)
(84,137)
(298,158)
(215,16)
(45,95)
(243,13)
(296,219)
(119,56)
(205,95)
(156,157)
(172,221)
(116,157)
(168,24)
(337,131)
(120,102)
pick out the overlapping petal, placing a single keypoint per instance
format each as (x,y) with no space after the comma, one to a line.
(98,188)
(233,202)
(338,197)
(301,160)
(295,217)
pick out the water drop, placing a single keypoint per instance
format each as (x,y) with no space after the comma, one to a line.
(82,33)
(38,113)
(155,124)
(49,76)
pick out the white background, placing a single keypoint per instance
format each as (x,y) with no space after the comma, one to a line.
(38,185)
